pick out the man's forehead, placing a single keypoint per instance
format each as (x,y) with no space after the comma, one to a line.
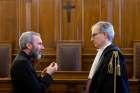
(38,38)
(95,29)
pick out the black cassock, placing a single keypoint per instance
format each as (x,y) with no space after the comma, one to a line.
(111,74)
(24,77)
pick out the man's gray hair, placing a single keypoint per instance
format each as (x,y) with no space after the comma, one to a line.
(108,28)
(27,37)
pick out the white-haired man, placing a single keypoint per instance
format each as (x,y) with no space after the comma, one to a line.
(108,72)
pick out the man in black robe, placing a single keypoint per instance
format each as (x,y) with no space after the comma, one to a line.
(23,75)
(108,71)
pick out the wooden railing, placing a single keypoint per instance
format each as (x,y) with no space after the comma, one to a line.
(65,82)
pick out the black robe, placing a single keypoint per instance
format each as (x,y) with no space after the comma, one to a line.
(103,80)
(24,78)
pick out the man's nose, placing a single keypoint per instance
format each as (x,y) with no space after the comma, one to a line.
(43,47)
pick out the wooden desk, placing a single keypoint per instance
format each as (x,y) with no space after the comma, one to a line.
(65,82)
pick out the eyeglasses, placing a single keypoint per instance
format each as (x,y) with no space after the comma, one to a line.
(95,34)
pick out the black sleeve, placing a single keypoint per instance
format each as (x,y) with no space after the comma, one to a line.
(28,81)
(47,80)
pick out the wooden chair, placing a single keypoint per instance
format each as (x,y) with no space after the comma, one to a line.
(136,59)
(5,59)
(69,55)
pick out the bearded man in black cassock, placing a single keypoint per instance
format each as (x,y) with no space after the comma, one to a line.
(108,71)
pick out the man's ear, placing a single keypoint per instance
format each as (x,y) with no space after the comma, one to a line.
(29,45)
(106,34)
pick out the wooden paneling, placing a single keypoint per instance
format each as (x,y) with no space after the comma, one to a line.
(45,21)
(128,22)
(8,25)
(50,18)
(55,22)
(71,20)
(136,20)
(91,14)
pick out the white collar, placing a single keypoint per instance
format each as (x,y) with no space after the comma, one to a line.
(101,49)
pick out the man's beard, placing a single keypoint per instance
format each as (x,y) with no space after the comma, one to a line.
(36,55)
